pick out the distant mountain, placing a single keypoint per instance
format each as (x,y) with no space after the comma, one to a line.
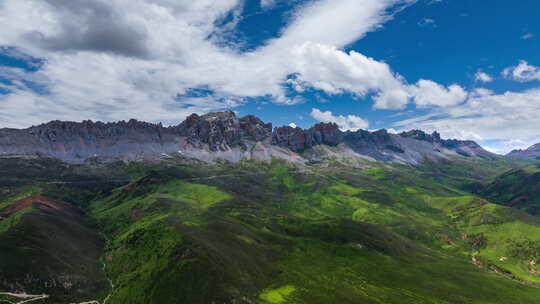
(223,135)
(531,152)
(181,230)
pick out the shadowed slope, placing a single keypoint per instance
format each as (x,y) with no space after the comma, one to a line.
(47,247)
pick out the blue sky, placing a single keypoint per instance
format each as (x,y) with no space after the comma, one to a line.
(464,68)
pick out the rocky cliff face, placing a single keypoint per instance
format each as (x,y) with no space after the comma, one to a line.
(223,135)
(76,142)
(223,130)
(531,152)
(298,140)
(461,147)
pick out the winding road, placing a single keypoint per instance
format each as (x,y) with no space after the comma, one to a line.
(24,298)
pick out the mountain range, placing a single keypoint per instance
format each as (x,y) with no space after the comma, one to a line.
(225,136)
(221,209)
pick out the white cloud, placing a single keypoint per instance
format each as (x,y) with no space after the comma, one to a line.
(116,59)
(389,130)
(333,71)
(488,117)
(523,72)
(335,22)
(428,93)
(434,2)
(163,51)
(345,123)
(483,77)
(293,125)
(527,36)
(427,22)
(505,146)
(480,92)
(265,4)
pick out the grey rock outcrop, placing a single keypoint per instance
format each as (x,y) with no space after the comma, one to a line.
(223,130)
(298,140)
(223,135)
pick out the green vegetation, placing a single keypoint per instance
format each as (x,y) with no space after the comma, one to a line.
(54,252)
(21,193)
(13,220)
(278,295)
(518,188)
(181,231)
(153,199)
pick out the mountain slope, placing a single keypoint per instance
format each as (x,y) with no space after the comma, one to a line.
(224,136)
(48,243)
(518,188)
(531,152)
(278,234)
(184,231)
(46,248)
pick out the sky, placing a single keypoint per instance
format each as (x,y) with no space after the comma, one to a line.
(467,69)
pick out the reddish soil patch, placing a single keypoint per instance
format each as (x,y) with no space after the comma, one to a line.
(41,202)
(136,215)
(448,240)
(518,200)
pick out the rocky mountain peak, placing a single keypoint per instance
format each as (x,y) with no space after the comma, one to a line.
(222,130)
(297,139)
(421,135)
(326,133)
(289,137)
(223,135)
(89,130)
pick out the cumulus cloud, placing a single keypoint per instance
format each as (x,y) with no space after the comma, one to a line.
(483,77)
(91,26)
(333,71)
(293,125)
(428,93)
(522,72)
(119,59)
(116,59)
(112,59)
(345,123)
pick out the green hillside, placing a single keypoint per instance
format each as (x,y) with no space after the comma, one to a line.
(181,231)
(518,188)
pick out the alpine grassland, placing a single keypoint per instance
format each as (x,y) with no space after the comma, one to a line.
(183,231)
(518,188)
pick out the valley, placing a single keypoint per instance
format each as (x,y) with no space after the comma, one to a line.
(185,231)
(269,152)
(312,216)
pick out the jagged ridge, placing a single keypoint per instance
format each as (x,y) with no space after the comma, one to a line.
(223,135)
(531,152)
